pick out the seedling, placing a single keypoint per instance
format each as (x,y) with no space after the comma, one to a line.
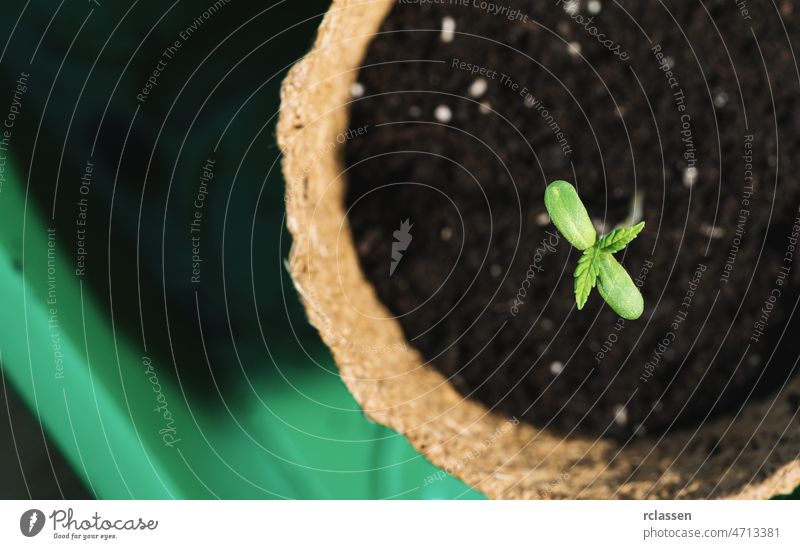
(597,266)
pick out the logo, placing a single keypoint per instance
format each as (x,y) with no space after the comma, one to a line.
(402,238)
(31,523)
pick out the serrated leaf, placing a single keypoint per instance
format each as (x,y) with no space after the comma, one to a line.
(586,276)
(617,239)
(569,214)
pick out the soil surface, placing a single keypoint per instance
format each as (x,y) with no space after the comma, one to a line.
(688,109)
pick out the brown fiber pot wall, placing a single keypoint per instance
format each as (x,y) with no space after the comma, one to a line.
(497,455)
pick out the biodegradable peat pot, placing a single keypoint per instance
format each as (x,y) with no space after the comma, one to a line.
(499,456)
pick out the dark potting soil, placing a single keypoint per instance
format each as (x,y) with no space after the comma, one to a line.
(692,108)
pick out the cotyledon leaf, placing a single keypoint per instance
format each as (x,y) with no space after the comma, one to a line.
(618,289)
(569,214)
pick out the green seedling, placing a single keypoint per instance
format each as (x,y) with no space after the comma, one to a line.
(597,266)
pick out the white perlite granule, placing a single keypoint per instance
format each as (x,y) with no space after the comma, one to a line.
(357,89)
(478,88)
(443,114)
(448,29)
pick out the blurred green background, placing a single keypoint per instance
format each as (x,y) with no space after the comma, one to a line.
(122,376)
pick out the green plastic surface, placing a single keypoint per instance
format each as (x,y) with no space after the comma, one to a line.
(295,435)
